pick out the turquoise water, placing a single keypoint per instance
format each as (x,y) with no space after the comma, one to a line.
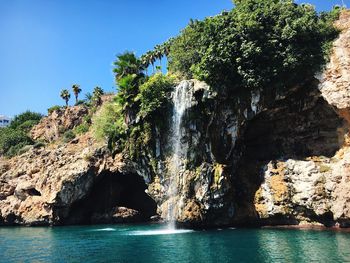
(151,243)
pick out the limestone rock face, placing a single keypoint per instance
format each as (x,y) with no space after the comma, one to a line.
(315,189)
(335,81)
(45,186)
(50,128)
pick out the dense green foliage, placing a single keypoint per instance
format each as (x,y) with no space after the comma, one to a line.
(24,117)
(12,140)
(53,108)
(258,43)
(108,124)
(153,94)
(82,128)
(96,96)
(140,101)
(14,137)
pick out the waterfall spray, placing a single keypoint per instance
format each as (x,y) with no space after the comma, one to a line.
(182,97)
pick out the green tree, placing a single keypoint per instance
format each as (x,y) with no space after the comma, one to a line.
(126,63)
(129,76)
(88,96)
(96,95)
(259,44)
(65,95)
(25,117)
(12,140)
(76,90)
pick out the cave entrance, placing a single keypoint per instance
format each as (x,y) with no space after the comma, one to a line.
(110,191)
(299,126)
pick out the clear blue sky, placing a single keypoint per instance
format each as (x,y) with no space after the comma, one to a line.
(48,45)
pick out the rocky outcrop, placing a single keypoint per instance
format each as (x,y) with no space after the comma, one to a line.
(53,126)
(71,184)
(230,142)
(312,191)
(315,189)
(335,81)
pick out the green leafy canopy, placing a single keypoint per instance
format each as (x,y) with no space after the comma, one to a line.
(258,43)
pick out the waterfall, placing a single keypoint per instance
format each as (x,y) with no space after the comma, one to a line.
(182,98)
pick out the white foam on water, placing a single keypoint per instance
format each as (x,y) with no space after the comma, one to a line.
(105,229)
(160,232)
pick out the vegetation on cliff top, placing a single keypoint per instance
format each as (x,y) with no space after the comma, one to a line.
(258,44)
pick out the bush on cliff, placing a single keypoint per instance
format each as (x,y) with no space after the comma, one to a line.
(153,93)
(258,44)
(14,137)
(108,122)
(26,117)
(12,140)
(53,108)
(82,128)
(68,136)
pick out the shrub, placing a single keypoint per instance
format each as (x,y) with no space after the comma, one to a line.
(38,145)
(68,136)
(12,140)
(53,108)
(153,93)
(27,125)
(87,119)
(24,117)
(82,128)
(23,150)
(108,122)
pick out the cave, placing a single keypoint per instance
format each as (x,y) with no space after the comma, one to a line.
(301,125)
(111,190)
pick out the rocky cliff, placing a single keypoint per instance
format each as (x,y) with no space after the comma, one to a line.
(315,189)
(280,156)
(70,183)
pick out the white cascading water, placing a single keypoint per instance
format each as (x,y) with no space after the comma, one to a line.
(182,97)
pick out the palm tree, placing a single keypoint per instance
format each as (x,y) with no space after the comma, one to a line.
(76,90)
(126,63)
(88,96)
(152,58)
(145,62)
(65,95)
(158,53)
(96,95)
(167,45)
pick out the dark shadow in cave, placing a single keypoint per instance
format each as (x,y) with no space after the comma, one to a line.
(289,129)
(113,190)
